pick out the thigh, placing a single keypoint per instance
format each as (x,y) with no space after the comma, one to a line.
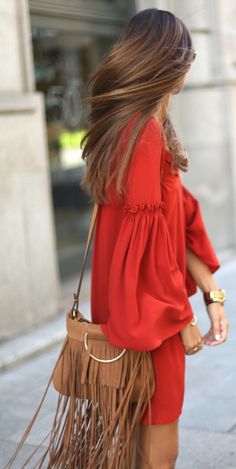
(158,445)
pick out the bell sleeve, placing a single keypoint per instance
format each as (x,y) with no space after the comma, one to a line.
(147,298)
(197,239)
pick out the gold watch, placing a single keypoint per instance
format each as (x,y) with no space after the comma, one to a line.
(214,296)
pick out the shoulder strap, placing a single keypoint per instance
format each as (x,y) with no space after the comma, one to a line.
(75,306)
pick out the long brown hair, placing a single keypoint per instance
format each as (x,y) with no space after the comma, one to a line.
(147,63)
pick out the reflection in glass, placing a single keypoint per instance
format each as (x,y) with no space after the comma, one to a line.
(63,62)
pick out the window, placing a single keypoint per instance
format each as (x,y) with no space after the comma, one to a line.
(62,64)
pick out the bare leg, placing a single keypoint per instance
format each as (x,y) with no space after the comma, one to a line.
(159,445)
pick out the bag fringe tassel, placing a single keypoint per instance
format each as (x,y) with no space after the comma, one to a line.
(96,421)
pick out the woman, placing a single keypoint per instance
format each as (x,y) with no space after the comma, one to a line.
(151,249)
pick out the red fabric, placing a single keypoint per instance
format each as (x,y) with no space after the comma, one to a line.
(196,237)
(138,282)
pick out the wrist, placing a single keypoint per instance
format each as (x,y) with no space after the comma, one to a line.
(209,284)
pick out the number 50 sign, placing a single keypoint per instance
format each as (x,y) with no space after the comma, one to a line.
(64,104)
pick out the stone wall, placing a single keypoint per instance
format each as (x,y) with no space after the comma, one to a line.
(28,269)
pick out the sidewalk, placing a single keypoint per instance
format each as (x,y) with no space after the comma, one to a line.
(208,421)
(44,336)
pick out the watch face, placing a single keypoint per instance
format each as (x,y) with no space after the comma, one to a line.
(215,295)
(222,294)
(218,294)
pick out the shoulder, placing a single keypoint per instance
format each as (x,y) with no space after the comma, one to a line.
(148,145)
(150,134)
(150,142)
(147,152)
(152,130)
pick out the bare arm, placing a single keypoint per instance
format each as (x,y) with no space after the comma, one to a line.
(205,280)
(200,272)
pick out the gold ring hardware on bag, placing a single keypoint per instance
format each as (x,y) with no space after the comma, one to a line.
(109,360)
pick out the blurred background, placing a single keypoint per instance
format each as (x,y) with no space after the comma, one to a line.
(48,49)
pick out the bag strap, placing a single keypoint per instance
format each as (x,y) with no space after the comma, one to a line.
(75,306)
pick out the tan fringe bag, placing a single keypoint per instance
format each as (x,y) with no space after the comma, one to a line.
(103,393)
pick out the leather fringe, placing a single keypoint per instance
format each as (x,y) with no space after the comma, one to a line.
(97,416)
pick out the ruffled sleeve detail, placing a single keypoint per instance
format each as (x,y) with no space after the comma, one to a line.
(197,239)
(147,298)
(143,208)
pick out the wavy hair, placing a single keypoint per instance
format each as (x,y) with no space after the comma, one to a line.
(145,65)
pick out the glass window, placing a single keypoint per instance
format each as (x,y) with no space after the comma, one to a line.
(62,64)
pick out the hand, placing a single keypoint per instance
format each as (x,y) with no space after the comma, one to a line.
(219,325)
(191,338)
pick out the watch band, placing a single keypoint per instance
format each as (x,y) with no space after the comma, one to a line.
(214,296)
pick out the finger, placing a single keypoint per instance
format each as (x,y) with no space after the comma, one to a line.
(194,349)
(207,337)
(216,329)
(223,335)
(212,341)
(189,351)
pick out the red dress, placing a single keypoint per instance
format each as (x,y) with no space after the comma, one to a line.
(139,281)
